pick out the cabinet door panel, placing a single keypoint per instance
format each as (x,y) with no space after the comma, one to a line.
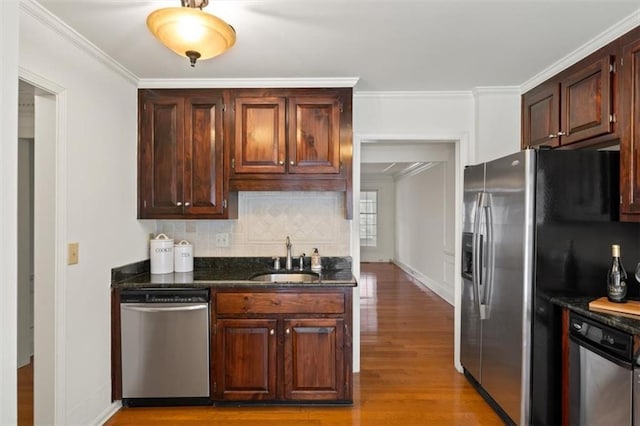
(161,155)
(314,135)
(246,359)
(259,135)
(630,134)
(203,186)
(313,359)
(540,116)
(586,102)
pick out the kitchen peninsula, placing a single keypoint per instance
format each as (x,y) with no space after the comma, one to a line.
(271,342)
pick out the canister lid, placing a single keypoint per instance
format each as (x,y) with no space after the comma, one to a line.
(163,237)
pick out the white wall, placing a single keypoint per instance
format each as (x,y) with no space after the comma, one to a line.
(424,230)
(9,13)
(385,248)
(95,180)
(408,114)
(497,111)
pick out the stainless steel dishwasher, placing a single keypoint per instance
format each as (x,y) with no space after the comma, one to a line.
(165,346)
(601,374)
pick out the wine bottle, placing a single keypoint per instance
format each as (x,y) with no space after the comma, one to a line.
(616,278)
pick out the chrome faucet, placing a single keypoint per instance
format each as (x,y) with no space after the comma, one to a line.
(301,262)
(289,262)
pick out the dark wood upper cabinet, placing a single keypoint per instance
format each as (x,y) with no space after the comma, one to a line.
(541,116)
(287,132)
(575,106)
(260,145)
(314,134)
(181,155)
(198,147)
(586,102)
(630,132)
(291,139)
(160,155)
(203,157)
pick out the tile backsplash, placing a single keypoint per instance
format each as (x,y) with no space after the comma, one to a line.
(265,219)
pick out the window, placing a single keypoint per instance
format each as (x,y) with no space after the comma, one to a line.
(368,218)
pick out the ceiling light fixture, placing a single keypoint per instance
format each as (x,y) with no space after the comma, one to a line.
(190,31)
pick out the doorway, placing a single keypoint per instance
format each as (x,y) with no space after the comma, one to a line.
(38,281)
(26,93)
(414,183)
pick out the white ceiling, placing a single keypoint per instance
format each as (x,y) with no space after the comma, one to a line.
(389,45)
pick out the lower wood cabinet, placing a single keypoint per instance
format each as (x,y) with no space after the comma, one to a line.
(296,345)
(245,359)
(313,359)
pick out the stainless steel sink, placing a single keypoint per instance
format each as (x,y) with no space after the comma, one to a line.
(284,277)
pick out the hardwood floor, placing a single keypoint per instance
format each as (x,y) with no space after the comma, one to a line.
(407,376)
(25,394)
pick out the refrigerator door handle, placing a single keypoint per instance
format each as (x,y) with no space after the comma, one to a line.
(485,300)
(477,249)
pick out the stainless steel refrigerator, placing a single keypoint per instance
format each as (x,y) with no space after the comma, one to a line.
(537,224)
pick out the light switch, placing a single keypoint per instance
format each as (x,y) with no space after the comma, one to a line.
(72,257)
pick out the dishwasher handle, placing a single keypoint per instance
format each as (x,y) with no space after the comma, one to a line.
(146,307)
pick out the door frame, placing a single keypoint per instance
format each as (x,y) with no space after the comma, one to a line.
(462,147)
(52,353)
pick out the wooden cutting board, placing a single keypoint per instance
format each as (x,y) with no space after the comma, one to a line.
(631,307)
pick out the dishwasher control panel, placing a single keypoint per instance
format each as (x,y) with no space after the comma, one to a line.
(165,295)
(601,336)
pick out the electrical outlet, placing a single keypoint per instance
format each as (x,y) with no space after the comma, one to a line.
(73,252)
(222,239)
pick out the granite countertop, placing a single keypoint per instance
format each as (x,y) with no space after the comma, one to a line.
(230,271)
(580,305)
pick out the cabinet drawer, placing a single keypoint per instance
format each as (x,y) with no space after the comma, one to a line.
(274,303)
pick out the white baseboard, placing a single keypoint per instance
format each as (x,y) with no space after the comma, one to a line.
(441,289)
(24,360)
(107,413)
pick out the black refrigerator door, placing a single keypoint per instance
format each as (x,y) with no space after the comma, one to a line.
(578,186)
(577,203)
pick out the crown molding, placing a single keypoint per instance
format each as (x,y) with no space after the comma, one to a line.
(416,94)
(226,83)
(604,38)
(496,90)
(45,17)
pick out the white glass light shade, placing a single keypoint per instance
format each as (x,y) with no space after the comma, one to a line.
(185,29)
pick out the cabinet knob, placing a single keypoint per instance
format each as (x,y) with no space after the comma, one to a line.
(288,331)
(187,204)
(281,162)
(292,163)
(551,136)
(179,203)
(562,134)
(272,332)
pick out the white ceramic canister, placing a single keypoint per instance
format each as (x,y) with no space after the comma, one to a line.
(183,254)
(161,254)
